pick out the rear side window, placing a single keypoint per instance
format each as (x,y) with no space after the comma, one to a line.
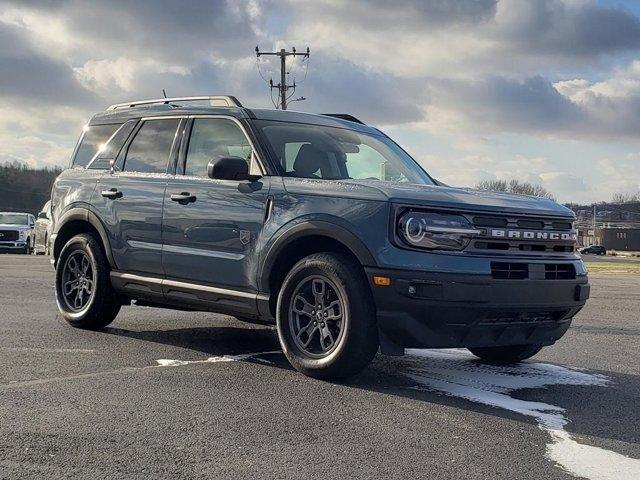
(150,149)
(95,136)
(102,159)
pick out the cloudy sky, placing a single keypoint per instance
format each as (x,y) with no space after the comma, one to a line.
(546,91)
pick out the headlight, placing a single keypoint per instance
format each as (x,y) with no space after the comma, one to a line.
(435,231)
(22,235)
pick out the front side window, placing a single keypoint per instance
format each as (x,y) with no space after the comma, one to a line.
(316,151)
(14,218)
(150,149)
(212,138)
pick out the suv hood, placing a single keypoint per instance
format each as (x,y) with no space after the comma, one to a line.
(11,226)
(468,199)
(429,196)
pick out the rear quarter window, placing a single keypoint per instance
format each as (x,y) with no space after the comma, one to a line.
(93,138)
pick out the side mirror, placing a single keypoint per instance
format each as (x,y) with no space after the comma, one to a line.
(229,168)
(43,215)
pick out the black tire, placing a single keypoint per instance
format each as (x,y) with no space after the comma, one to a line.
(356,341)
(102,304)
(506,355)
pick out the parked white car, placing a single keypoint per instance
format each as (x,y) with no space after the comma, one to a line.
(42,231)
(17,232)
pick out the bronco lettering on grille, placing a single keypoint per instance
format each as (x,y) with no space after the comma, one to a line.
(531,235)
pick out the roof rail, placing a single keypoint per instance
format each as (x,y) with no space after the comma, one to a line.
(344,116)
(214,101)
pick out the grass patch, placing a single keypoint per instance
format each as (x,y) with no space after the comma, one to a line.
(631,267)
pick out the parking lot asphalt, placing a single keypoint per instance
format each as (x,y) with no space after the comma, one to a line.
(168,394)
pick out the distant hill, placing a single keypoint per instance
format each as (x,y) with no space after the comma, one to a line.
(25,189)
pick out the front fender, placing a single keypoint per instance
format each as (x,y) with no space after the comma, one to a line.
(307,228)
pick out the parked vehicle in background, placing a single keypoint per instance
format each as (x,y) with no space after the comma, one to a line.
(593,250)
(318,223)
(42,230)
(16,232)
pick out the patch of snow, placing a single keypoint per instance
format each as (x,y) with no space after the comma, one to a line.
(457,373)
(163,362)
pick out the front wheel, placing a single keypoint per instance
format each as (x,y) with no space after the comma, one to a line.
(325,317)
(84,294)
(506,355)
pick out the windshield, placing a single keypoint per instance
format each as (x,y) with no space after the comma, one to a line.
(314,151)
(14,219)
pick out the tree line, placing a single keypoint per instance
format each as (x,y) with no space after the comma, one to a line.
(25,189)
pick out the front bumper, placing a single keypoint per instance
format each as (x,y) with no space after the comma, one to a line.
(14,245)
(444,310)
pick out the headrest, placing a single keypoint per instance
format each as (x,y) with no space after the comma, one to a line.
(309,160)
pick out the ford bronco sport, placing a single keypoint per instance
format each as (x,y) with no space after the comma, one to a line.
(318,223)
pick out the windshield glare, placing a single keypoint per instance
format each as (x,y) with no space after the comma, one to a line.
(14,219)
(314,151)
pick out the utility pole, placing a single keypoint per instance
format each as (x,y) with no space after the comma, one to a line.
(594,223)
(282,87)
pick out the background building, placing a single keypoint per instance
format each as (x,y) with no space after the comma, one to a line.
(617,225)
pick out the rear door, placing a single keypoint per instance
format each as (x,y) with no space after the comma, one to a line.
(211,239)
(129,198)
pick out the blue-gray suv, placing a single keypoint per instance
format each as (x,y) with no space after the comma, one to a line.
(318,223)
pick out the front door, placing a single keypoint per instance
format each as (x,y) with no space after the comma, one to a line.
(129,200)
(210,227)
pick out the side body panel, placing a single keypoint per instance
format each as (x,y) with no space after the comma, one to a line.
(213,239)
(133,222)
(73,189)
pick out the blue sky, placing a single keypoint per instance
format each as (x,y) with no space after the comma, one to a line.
(546,91)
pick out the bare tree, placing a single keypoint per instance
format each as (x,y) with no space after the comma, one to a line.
(515,186)
(625,197)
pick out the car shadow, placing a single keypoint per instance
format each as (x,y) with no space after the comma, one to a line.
(606,412)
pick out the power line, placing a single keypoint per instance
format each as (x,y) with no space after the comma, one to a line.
(282,87)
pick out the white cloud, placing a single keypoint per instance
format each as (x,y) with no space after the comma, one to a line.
(469,72)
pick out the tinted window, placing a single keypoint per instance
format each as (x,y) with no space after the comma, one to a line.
(14,218)
(315,151)
(150,149)
(213,138)
(111,149)
(94,137)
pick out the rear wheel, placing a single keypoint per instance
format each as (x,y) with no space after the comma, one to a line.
(325,317)
(84,294)
(505,355)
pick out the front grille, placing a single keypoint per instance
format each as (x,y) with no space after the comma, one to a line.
(509,271)
(8,235)
(522,235)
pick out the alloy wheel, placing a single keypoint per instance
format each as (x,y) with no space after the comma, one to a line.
(316,316)
(78,280)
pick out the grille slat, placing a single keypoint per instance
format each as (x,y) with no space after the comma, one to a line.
(509,271)
(553,271)
(8,235)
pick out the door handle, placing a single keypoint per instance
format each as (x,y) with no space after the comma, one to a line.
(184,197)
(112,193)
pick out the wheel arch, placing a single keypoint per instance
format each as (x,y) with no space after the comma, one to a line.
(80,220)
(300,241)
